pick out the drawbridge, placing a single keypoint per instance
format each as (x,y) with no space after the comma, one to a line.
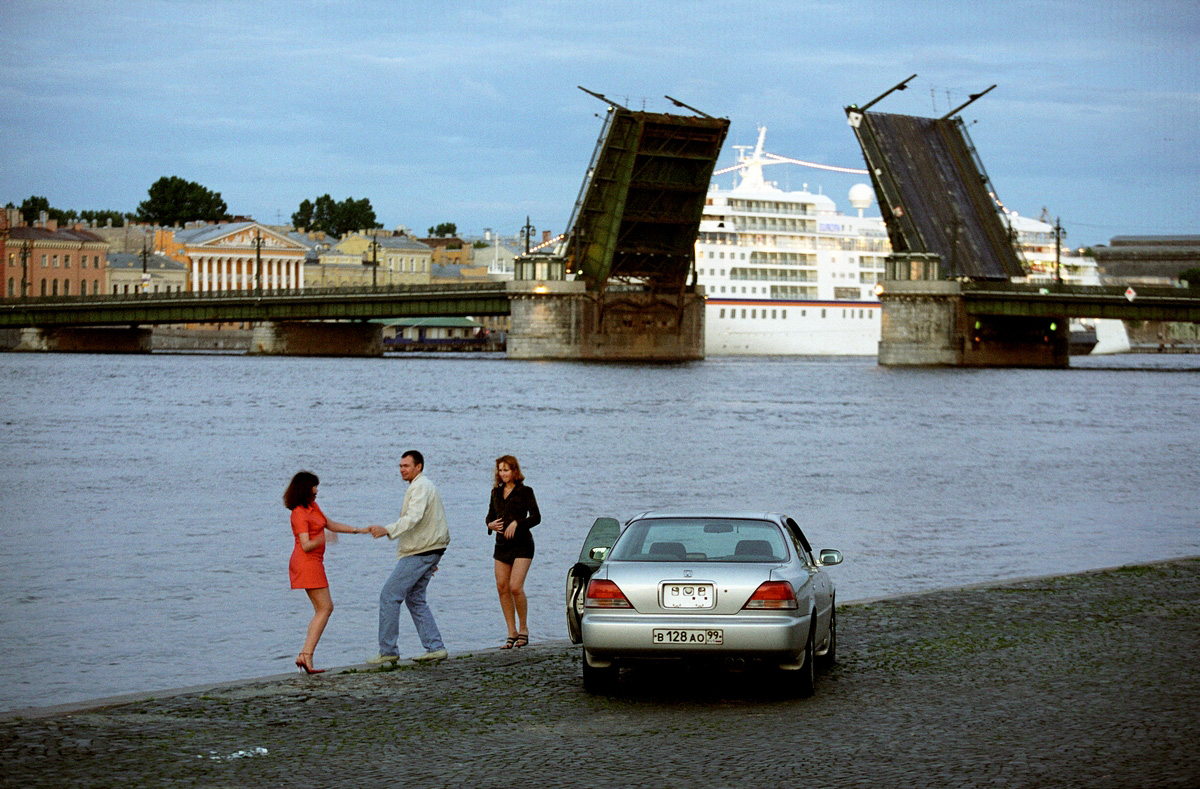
(628,257)
(940,209)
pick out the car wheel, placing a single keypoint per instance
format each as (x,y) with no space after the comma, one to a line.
(830,656)
(802,682)
(575,608)
(601,681)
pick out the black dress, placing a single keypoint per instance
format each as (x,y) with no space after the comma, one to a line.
(520,506)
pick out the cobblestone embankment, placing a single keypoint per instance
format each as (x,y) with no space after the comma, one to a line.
(1078,681)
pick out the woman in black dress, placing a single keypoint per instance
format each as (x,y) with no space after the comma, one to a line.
(512,513)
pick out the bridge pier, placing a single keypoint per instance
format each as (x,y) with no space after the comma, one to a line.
(86,339)
(315,338)
(928,323)
(557,319)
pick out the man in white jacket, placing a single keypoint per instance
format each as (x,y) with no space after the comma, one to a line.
(421,535)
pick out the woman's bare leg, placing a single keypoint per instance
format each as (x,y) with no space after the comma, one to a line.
(322,609)
(516,587)
(503,584)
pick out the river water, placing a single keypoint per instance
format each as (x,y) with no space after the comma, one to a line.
(145,545)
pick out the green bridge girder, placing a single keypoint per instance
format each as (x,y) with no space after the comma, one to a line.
(641,202)
(310,304)
(1081,301)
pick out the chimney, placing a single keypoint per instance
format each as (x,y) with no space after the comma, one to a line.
(51,224)
(545,235)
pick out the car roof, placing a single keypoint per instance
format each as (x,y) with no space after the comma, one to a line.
(758,515)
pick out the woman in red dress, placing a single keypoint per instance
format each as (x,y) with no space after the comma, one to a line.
(307,566)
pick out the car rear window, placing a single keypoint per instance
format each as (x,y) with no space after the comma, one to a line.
(700,540)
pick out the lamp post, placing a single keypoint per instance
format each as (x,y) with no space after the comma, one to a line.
(25,269)
(374,261)
(145,269)
(258,242)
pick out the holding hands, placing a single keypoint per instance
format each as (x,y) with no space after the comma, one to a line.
(376,531)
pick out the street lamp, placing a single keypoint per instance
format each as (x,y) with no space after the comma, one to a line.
(374,261)
(258,242)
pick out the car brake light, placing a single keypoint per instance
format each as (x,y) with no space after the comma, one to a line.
(772,595)
(605,594)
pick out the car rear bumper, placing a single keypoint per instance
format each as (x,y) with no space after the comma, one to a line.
(772,635)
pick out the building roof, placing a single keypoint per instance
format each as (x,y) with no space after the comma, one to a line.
(61,234)
(155,261)
(202,233)
(433,323)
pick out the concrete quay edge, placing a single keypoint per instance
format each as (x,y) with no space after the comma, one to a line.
(90,705)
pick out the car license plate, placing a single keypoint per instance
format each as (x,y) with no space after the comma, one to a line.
(688,595)
(687,636)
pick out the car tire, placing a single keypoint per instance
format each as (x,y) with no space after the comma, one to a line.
(803,681)
(830,657)
(601,681)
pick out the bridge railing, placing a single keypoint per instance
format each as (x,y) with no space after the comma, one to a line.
(226,295)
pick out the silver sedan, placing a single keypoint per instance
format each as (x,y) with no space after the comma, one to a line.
(730,588)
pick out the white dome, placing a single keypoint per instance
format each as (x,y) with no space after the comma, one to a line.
(861,196)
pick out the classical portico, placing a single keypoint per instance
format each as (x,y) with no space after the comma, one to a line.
(241,256)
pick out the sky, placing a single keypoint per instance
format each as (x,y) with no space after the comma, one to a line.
(469,112)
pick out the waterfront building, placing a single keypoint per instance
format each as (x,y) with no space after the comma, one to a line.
(52,261)
(129,273)
(235,256)
(1147,260)
(400,260)
(448,249)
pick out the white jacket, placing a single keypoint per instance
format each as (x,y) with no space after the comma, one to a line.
(422,525)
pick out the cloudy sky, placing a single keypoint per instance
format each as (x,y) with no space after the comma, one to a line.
(469,112)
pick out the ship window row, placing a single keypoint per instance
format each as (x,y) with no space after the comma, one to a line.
(781,274)
(783,258)
(868,261)
(752,313)
(721,255)
(762,223)
(771,206)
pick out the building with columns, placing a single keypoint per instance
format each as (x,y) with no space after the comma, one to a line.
(235,256)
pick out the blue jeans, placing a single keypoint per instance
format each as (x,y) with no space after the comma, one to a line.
(407,585)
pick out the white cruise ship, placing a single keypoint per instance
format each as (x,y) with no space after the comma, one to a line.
(784,272)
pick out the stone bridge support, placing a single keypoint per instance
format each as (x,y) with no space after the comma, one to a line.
(317,338)
(86,339)
(929,323)
(561,320)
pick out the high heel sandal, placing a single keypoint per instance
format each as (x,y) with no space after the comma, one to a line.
(305,666)
(512,640)
(521,640)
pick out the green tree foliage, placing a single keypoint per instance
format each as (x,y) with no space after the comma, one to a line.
(443,229)
(1192,277)
(32,207)
(334,218)
(101,218)
(174,201)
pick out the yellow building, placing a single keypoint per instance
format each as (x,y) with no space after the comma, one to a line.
(399,260)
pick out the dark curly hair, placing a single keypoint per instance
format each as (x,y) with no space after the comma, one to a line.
(299,491)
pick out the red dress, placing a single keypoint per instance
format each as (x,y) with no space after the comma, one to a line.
(308,569)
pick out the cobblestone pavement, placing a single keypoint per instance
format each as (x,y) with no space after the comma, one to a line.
(1080,681)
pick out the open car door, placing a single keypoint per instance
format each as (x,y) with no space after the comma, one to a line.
(599,540)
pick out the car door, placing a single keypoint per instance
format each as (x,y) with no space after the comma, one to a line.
(821,584)
(599,540)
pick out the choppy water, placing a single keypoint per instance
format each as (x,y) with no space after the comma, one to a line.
(145,545)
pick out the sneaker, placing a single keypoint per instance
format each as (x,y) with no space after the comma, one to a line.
(432,656)
(381,659)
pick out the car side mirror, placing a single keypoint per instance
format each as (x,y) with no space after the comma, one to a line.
(598,553)
(829,556)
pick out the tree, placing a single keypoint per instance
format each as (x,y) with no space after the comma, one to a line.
(174,201)
(337,219)
(101,218)
(443,229)
(33,206)
(1192,277)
